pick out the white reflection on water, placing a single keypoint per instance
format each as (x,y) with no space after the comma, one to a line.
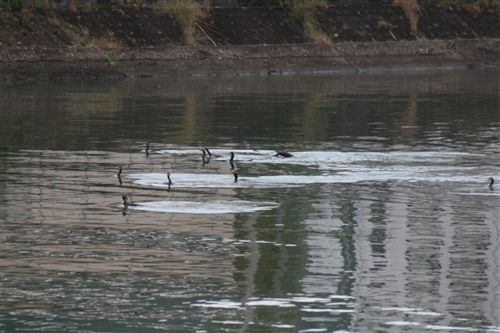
(214,207)
(335,167)
(321,304)
(402,323)
(412,311)
(326,158)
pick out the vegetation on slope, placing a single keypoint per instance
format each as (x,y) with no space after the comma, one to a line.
(111,25)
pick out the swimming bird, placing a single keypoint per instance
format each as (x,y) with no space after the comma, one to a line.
(147,149)
(120,175)
(233,168)
(127,203)
(231,161)
(283,153)
(492,181)
(204,157)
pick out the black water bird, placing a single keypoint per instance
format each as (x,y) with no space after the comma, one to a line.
(492,181)
(233,168)
(283,153)
(120,175)
(204,157)
(169,183)
(231,161)
(127,203)
(147,149)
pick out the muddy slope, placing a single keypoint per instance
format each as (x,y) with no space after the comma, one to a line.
(382,23)
(133,42)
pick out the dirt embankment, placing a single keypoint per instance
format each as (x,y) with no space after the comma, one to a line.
(232,41)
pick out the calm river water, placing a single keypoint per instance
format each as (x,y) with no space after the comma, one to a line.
(382,221)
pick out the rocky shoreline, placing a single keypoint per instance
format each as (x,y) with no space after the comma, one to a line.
(282,59)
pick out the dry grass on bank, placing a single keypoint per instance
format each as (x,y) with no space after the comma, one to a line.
(187,13)
(302,12)
(412,13)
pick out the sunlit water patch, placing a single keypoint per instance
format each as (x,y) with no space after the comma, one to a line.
(490,193)
(353,175)
(214,207)
(307,303)
(336,167)
(411,311)
(328,158)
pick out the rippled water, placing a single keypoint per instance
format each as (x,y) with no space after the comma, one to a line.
(382,221)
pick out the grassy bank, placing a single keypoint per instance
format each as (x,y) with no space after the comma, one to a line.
(43,25)
(121,42)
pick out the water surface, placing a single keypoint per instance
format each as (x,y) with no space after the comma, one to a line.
(382,221)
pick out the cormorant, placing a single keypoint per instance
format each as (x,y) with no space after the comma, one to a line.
(283,153)
(126,203)
(231,161)
(120,175)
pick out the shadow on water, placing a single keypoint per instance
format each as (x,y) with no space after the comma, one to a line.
(382,220)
